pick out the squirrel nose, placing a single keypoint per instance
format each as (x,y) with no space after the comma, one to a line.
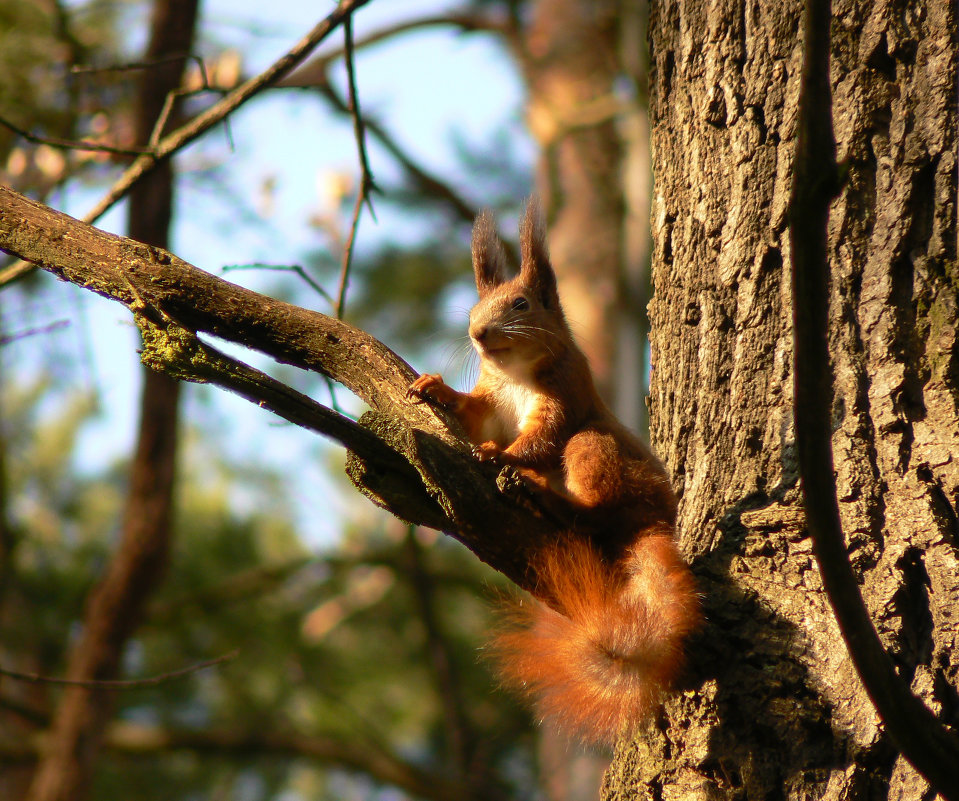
(479,332)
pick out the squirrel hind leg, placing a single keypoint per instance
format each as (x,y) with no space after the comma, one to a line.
(593,466)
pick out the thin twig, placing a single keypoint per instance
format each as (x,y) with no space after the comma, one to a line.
(176,94)
(914,730)
(6,339)
(348,256)
(72,144)
(236,98)
(296,268)
(425,181)
(292,268)
(120,684)
(367,184)
(315,75)
(464,23)
(200,124)
(130,66)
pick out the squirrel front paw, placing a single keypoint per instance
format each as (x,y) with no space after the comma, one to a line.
(488,452)
(431,388)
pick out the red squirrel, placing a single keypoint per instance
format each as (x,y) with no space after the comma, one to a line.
(599,658)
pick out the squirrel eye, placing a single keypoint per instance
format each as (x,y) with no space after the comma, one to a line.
(520,304)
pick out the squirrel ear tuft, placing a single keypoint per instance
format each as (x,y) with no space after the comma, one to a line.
(535,268)
(489,257)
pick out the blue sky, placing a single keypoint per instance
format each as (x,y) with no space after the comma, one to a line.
(424,86)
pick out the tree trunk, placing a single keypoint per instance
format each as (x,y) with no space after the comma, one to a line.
(115,605)
(774,707)
(568,55)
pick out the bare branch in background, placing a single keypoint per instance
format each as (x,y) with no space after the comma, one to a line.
(315,70)
(114,605)
(130,740)
(121,684)
(200,124)
(72,144)
(290,268)
(367,185)
(315,75)
(6,339)
(130,66)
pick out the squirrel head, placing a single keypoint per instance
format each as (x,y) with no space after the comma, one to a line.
(518,323)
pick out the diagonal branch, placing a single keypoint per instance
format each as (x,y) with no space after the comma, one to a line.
(913,728)
(71,144)
(461,22)
(171,295)
(315,75)
(143,277)
(200,124)
(422,179)
(176,140)
(176,351)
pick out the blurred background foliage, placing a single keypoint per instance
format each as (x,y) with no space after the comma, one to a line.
(358,671)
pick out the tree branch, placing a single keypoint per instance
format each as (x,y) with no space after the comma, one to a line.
(367,185)
(177,351)
(170,297)
(424,180)
(913,728)
(315,75)
(139,740)
(119,684)
(314,71)
(70,144)
(200,124)
(114,606)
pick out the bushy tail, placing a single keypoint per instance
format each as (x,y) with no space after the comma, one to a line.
(602,666)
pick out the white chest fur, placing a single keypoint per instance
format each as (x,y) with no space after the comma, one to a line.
(516,403)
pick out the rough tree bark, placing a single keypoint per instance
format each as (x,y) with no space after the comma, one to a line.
(778,710)
(115,605)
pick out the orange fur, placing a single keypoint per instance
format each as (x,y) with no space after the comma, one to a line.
(599,658)
(599,668)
